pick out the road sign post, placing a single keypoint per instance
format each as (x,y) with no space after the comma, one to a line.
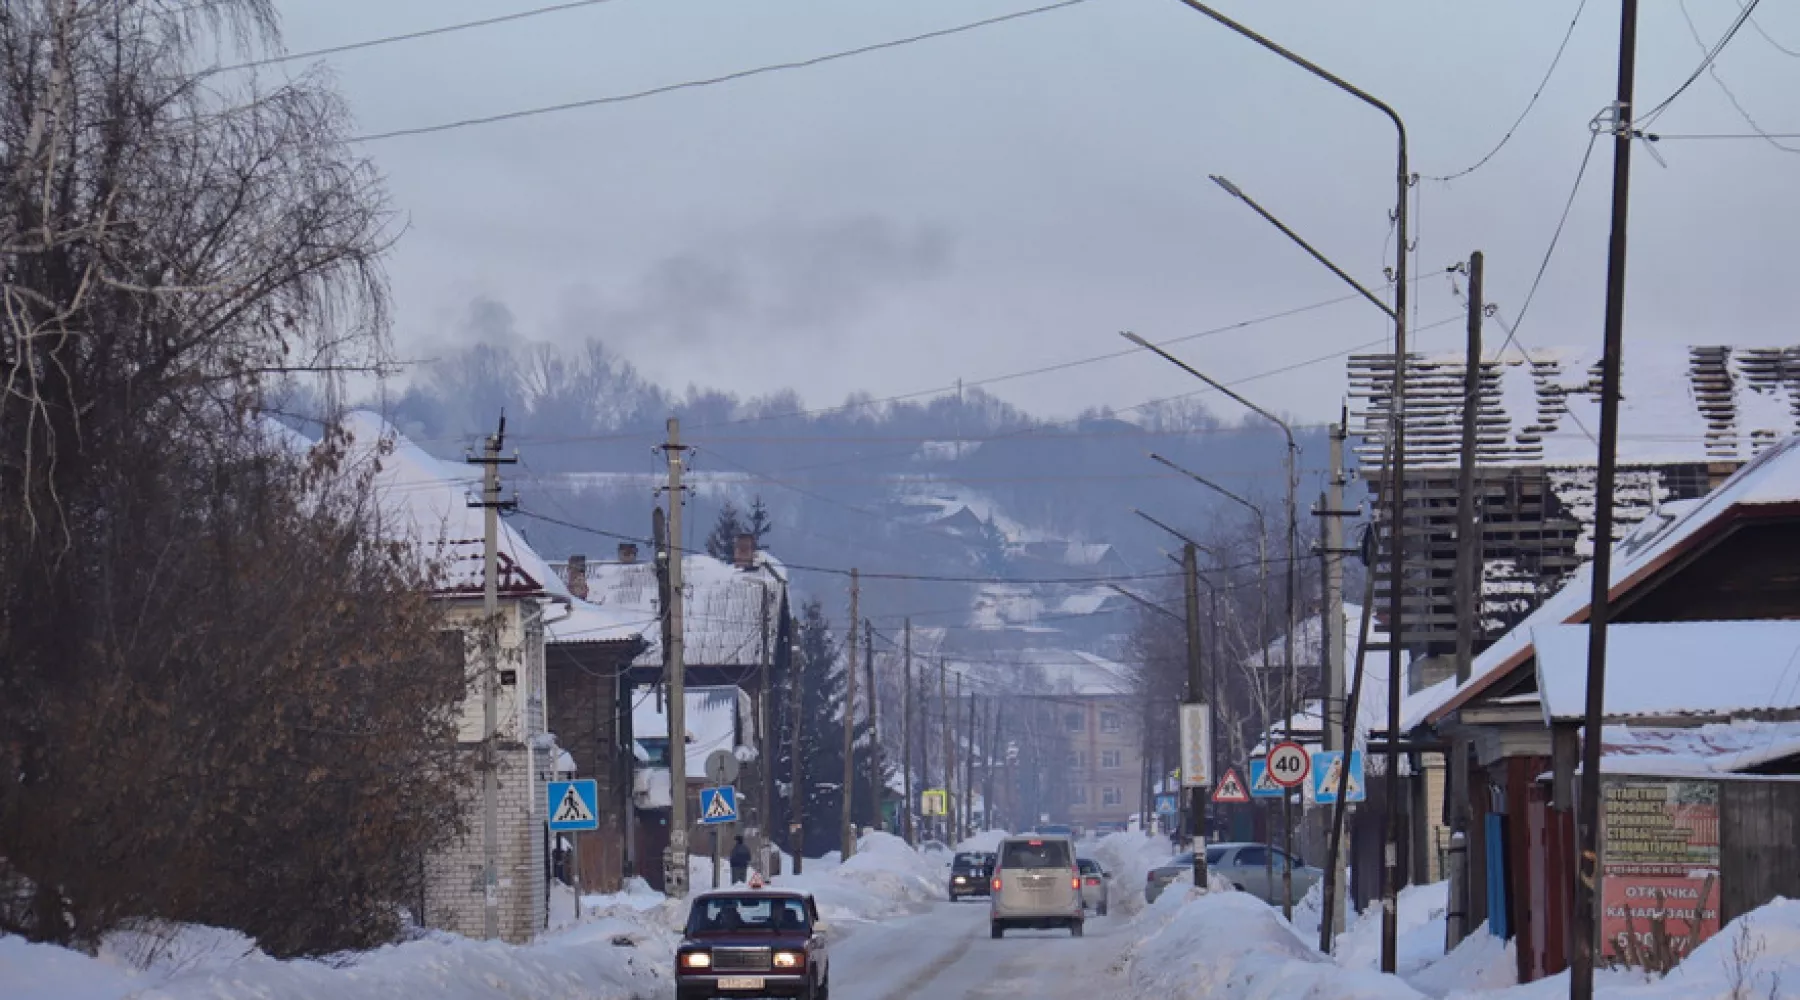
(1231,790)
(718,805)
(572,806)
(1326,768)
(1288,764)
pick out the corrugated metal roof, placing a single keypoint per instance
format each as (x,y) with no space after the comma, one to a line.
(721,613)
(1672,668)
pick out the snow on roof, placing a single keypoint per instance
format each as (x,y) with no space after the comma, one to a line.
(1307,641)
(588,622)
(1772,477)
(1086,602)
(713,714)
(722,606)
(425,501)
(1541,406)
(1709,751)
(1071,671)
(1672,668)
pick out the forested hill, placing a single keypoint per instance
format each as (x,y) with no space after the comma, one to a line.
(951,486)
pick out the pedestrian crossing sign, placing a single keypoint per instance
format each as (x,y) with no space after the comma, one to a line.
(1261,785)
(574,805)
(1327,767)
(718,805)
(1231,788)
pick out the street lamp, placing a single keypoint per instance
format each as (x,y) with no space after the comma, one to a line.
(1397,434)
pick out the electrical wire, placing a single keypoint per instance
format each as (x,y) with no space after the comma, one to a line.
(1530,104)
(412,35)
(1713,71)
(1709,56)
(1784,50)
(718,80)
(1550,251)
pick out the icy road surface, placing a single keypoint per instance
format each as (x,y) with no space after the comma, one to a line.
(946,954)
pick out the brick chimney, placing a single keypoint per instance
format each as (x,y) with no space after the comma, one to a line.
(743,556)
(627,553)
(577,576)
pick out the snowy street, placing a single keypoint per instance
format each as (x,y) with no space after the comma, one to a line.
(946,954)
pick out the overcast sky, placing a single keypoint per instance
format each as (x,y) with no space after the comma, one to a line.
(1014,196)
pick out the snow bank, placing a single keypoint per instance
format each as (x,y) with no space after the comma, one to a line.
(1232,946)
(1130,857)
(885,878)
(987,840)
(1420,928)
(1482,963)
(610,959)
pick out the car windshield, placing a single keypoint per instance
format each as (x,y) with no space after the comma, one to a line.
(1214,855)
(765,914)
(1088,866)
(971,860)
(1035,854)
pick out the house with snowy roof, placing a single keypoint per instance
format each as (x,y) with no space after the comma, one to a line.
(736,635)
(424,502)
(1701,740)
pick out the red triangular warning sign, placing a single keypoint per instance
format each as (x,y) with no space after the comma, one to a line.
(1231,788)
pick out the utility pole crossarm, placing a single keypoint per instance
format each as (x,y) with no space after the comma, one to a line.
(1216,384)
(1300,241)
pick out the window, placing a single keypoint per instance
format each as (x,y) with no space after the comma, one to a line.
(1075,722)
(1252,857)
(1078,795)
(748,913)
(1078,760)
(1046,853)
(1109,722)
(1111,760)
(1111,796)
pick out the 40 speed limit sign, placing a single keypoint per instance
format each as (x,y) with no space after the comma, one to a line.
(1288,764)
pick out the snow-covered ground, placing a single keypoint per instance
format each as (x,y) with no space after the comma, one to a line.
(622,948)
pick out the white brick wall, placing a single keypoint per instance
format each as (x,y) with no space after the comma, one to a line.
(453,890)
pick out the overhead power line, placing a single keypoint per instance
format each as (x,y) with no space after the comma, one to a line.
(1708,57)
(1530,104)
(1784,50)
(1730,95)
(412,35)
(1555,237)
(714,81)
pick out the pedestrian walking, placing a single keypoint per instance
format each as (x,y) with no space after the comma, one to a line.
(740,861)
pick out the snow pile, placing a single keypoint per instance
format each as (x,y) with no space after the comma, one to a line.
(609,958)
(1482,963)
(1420,930)
(1130,857)
(1232,946)
(987,840)
(885,878)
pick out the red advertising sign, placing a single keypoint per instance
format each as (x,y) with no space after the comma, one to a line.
(1660,858)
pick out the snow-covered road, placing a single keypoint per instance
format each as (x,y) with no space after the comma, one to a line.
(946,954)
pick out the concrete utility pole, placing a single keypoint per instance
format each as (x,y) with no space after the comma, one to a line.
(1332,635)
(1196,684)
(1587,887)
(1468,612)
(491,505)
(906,735)
(676,877)
(949,751)
(875,784)
(796,770)
(847,831)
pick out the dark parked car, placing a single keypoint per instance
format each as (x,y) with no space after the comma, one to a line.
(970,873)
(755,942)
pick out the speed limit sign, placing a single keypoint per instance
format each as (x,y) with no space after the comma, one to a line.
(1288,764)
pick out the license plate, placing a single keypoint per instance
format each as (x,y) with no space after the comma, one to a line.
(740,982)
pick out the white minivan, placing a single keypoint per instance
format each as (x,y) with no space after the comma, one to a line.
(1036,884)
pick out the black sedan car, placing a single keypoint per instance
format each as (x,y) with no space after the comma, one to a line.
(753,943)
(970,874)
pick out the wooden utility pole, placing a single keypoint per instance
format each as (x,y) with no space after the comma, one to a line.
(796,770)
(906,738)
(675,877)
(875,782)
(949,750)
(847,832)
(765,806)
(491,504)
(968,789)
(991,791)
(1468,611)
(1587,887)
(1331,553)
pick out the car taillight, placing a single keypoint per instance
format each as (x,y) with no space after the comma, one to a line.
(996,883)
(1075,883)
(1093,881)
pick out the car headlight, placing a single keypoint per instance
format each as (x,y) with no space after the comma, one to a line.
(696,960)
(959,880)
(789,959)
